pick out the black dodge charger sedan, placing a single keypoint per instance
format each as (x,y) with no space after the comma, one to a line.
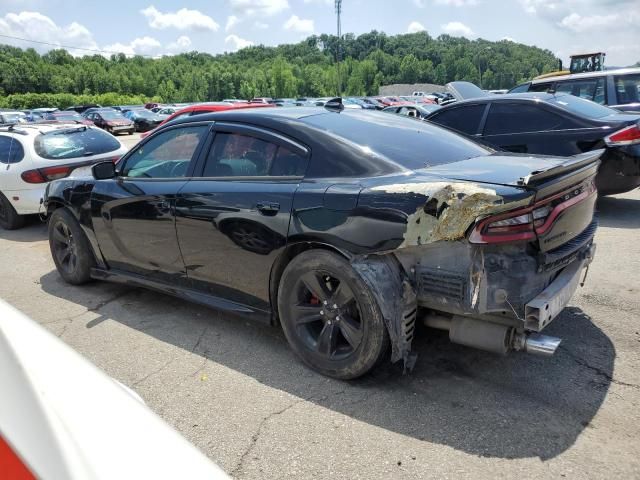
(343,226)
(554,124)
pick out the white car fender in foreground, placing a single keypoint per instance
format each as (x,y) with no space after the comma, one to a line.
(66,419)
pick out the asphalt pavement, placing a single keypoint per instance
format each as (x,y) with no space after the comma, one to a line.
(235,390)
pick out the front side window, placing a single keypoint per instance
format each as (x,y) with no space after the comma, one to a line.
(506,118)
(11,150)
(166,155)
(238,155)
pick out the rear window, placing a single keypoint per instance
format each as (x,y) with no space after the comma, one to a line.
(76,142)
(581,107)
(409,143)
(627,88)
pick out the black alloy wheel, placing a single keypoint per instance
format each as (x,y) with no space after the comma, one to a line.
(330,316)
(64,247)
(326,315)
(70,248)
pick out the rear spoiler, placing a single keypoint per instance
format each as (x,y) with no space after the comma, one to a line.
(576,162)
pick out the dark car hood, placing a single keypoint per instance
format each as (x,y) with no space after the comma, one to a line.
(510,169)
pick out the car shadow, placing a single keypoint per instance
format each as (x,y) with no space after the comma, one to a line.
(618,212)
(517,406)
(34,230)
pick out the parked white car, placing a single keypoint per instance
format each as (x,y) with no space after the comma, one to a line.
(33,155)
(63,418)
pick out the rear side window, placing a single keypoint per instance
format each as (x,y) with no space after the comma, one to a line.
(76,142)
(465,119)
(507,118)
(237,155)
(627,88)
(11,150)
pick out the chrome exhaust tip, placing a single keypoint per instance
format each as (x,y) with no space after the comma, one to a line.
(544,345)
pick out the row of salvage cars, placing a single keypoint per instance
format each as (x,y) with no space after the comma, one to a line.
(346,227)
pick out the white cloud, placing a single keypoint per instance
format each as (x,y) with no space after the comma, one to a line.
(236,42)
(183,19)
(182,44)
(259,7)
(232,21)
(420,3)
(457,29)
(139,46)
(415,27)
(580,23)
(34,25)
(299,25)
(260,25)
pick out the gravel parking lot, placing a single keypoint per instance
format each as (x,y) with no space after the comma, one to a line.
(237,392)
(129,140)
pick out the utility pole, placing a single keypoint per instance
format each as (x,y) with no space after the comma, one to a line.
(338,4)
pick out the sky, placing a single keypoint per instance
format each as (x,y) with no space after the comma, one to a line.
(165,27)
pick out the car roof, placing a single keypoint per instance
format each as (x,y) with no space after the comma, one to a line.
(527,97)
(33,129)
(602,73)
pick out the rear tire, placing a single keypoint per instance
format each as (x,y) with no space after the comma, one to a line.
(330,316)
(9,218)
(70,248)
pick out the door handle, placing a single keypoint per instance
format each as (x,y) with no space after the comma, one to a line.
(268,208)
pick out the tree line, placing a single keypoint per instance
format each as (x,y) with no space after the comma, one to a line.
(307,68)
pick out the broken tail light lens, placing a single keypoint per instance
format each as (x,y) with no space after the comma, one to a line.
(526,223)
(626,136)
(48,174)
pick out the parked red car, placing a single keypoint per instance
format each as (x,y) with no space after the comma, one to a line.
(206,108)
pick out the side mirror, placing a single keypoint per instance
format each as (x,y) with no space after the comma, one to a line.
(104,170)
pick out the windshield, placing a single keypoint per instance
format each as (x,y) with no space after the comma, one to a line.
(76,142)
(581,106)
(143,114)
(13,117)
(65,116)
(111,115)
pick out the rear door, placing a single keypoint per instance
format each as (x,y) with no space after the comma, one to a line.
(232,220)
(133,214)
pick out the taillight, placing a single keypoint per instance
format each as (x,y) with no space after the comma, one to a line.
(47,174)
(524,224)
(11,465)
(626,136)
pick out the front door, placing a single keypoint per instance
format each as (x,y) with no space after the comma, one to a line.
(232,222)
(134,214)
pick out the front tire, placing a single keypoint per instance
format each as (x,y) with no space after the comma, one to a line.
(330,316)
(70,248)
(9,218)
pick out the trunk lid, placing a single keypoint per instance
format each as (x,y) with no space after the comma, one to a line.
(562,186)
